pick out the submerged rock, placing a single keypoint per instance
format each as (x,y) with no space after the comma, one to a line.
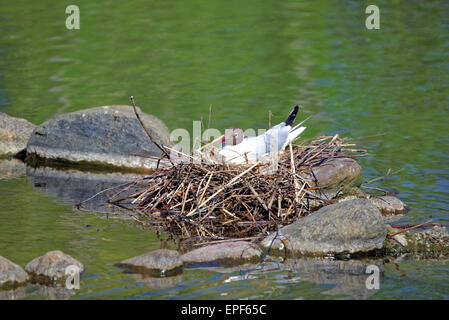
(103,136)
(225,252)
(52,266)
(160,261)
(14,134)
(347,227)
(11,274)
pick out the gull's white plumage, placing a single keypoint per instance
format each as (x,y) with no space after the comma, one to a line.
(274,139)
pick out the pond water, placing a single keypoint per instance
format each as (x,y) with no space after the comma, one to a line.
(243,58)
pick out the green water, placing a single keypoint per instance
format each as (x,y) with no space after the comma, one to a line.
(244,58)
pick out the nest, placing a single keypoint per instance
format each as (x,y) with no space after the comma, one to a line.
(207,200)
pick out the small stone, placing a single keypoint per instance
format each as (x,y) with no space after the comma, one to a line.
(237,251)
(389,205)
(14,134)
(336,177)
(161,261)
(11,274)
(52,266)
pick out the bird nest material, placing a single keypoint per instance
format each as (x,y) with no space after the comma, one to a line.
(212,201)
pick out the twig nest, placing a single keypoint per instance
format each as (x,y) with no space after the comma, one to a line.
(53,266)
(160,262)
(347,227)
(11,274)
(237,251)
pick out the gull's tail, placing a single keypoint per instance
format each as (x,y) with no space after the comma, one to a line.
(292,116)
(294,133)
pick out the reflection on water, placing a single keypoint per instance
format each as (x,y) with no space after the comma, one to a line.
(346,278)
(243,59)
(91,189)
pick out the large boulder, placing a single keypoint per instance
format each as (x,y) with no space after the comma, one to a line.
(347,227)
(108,135)
(52,266)
(11,274)
(14,134)
(228,252)
(162,261)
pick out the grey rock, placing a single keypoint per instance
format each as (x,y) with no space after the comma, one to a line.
(346,227)
(11,274)
(160,261)
(226,252)
(389,205)
(52,266)
(103,136)
(14,134)
(336,177)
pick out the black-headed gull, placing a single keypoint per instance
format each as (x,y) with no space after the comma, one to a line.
(273,140)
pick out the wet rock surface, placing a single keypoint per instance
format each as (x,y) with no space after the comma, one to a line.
(14,134)
(159,261)
(346,227)
(229,251)
(52,266)
(108,135)
(11,274)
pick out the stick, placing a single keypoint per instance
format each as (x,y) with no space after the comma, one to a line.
(148,132)
(414,227)
(223,187)
(207,185)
